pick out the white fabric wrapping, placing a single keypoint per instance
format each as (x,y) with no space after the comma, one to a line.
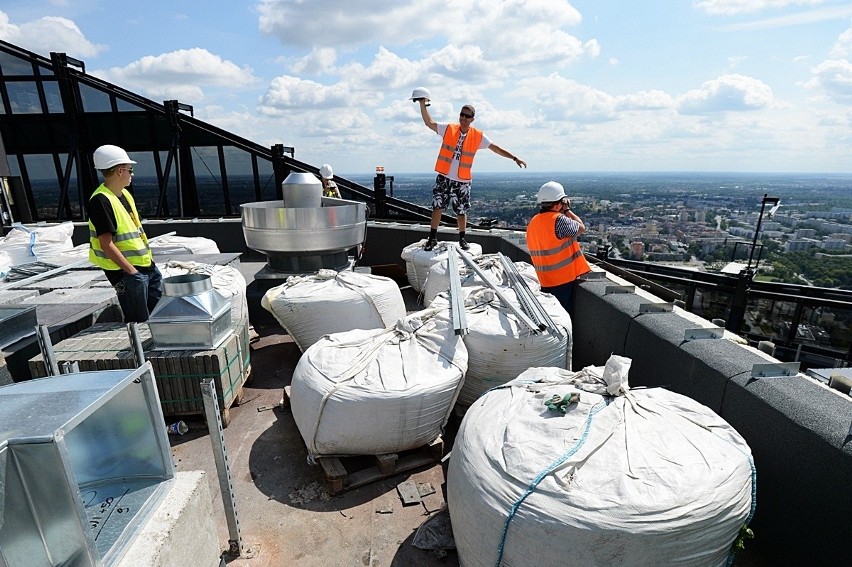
(28,244)
(418,261)
(309,307)
(645,478)
(174,244)
(227,280)
(5,265)
(501,346)
(370,392)
(438,279)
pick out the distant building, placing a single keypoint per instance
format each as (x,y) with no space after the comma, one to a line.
(833,244)
(805,233)
(800,245)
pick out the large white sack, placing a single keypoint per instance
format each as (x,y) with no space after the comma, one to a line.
(624,478)
(226,280)
(309,307)
(5,265)
(370,392)
(28,244)
(500,345)
(174,244)
(418,261)
(438,279)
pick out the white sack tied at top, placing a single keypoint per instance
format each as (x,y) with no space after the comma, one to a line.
(227,280)
(418,261)
(438,278)
(34,243)
(370,392)
(174,244)
(624,477)
(500,346)
(311,306)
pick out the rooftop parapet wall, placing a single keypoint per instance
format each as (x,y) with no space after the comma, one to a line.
(798,430)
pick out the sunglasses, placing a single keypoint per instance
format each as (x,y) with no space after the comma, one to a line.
(466,115)
(129,169)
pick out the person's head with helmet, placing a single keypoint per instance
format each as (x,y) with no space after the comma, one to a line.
(551,197)
(115,165)
(329,187)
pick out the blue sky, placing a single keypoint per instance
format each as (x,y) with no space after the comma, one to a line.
(586,85)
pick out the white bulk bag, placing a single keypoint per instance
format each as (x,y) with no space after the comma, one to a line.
(438,279)
(28,244)
(5,265)
(500,346)
(309,307)
(418,261)
(174,244)
(226,280)
(370,392)
(624,477)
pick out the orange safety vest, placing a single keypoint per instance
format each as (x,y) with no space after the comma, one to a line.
(556,260)
(448,148)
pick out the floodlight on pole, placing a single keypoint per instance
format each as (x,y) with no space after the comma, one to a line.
(775,202)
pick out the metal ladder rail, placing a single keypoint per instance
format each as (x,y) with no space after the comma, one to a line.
(518,313)
(521,287)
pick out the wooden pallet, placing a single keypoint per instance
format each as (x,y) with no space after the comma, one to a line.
(178,373)
(345,473)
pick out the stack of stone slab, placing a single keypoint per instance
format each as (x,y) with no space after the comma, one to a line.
(178,373)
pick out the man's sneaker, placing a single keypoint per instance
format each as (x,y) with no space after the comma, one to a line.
(430,244)
(463,244)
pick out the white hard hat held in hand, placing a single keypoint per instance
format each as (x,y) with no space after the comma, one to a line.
(421,93)
(108,156)
(326,172)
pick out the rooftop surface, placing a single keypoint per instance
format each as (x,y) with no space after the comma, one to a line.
(286,515)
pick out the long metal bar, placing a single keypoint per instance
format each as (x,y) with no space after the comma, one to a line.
(518,313)
(46,346)
(136,343)
(226,486)
(521,285)
(456,295)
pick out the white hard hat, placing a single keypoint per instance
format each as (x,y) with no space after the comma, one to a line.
(326,172)
(421,92)
(550,192)
(109,156)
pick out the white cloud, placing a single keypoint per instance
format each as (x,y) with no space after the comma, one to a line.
(727,93)
(835,77)
(843,47)
(48,34)
(181,74)
(318,61)
(732,7)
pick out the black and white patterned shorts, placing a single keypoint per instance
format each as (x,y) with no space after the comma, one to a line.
(448,192)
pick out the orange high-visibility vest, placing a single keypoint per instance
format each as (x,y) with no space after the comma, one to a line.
(556,260)
(448,148)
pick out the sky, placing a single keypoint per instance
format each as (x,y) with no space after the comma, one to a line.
(585,85)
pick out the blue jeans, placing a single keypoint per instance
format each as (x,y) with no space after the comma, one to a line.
(564,293)
(139,293)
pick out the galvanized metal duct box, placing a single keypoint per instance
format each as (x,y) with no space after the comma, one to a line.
(190,315)
(16,323)
(84,460)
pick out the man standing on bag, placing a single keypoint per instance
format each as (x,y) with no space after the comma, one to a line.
(117,242)
(459,145)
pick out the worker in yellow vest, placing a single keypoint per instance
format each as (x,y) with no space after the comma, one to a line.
(552,242)
(117,242)
(459,145)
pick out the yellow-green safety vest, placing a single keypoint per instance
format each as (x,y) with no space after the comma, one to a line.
(129,237)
